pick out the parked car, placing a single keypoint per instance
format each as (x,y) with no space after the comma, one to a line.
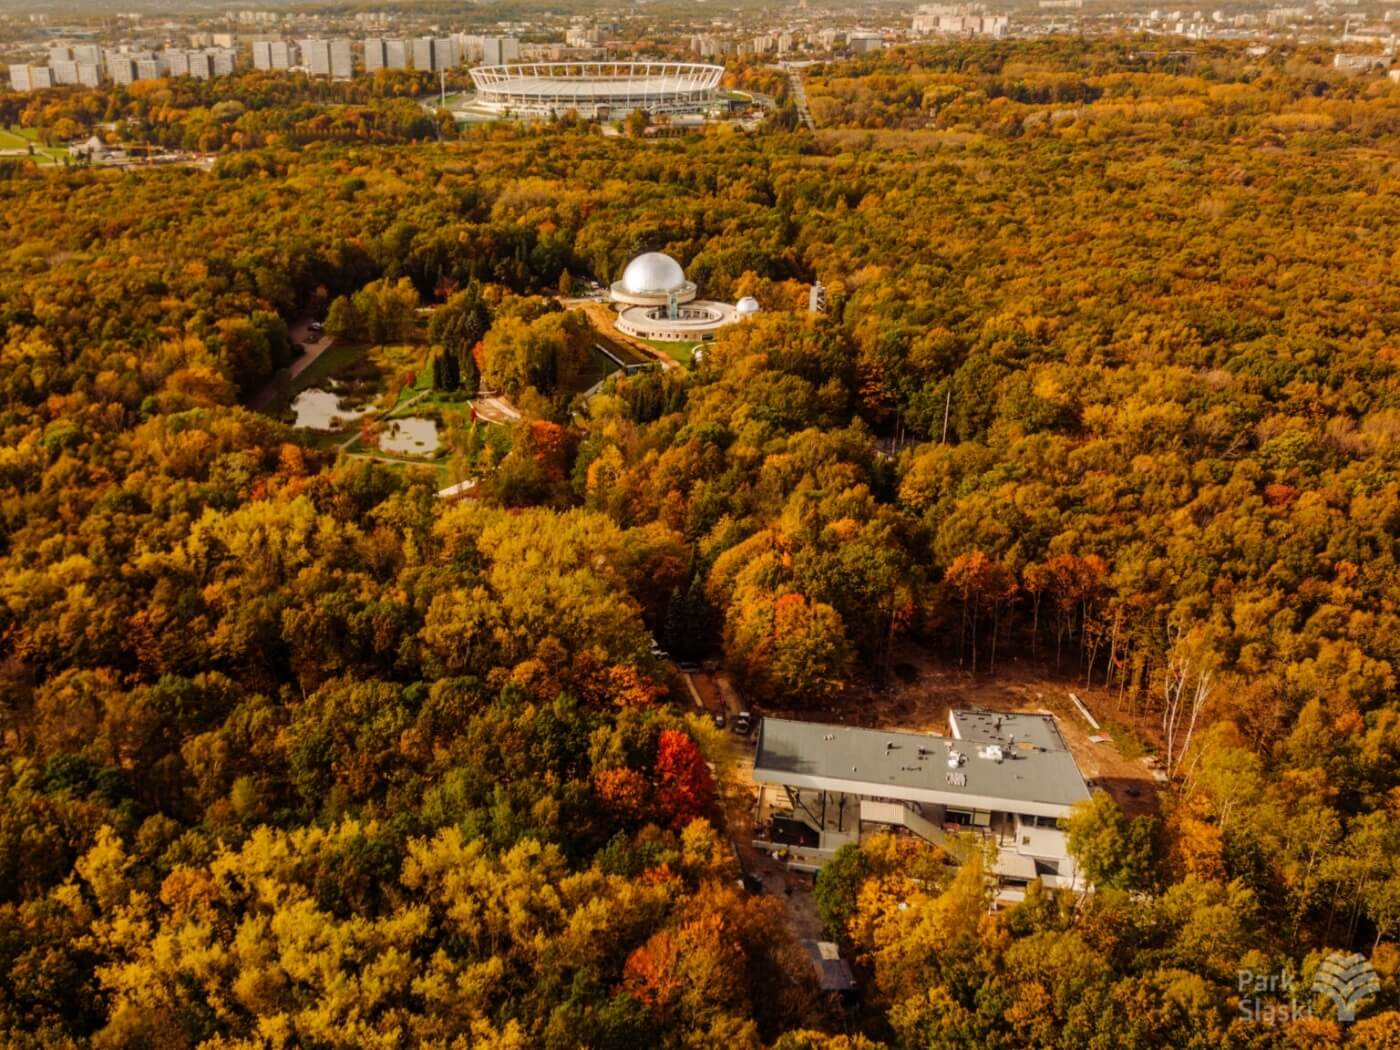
(743,723)
(316,326)
(718,717)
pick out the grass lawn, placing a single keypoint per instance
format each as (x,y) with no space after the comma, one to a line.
(337,358)
(678,352)
(23,138)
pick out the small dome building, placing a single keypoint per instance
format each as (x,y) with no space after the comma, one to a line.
(746,306)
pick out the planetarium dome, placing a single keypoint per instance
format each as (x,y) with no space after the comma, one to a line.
(653,273)
(745,306)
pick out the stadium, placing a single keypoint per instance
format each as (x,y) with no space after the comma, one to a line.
(596,90)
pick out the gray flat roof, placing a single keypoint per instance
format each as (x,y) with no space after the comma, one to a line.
(1036,775)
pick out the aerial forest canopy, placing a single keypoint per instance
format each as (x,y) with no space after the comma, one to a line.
(296,753)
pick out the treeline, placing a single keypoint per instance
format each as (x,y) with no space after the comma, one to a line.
(242,111)
(1051,86)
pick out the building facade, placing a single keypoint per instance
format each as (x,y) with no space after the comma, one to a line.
(1000,780)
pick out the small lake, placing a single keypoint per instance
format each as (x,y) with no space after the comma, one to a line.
(411,436)
(321,410)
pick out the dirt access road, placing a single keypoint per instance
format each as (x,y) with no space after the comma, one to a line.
(738,795)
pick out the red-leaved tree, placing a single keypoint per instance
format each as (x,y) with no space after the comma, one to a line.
(685,787)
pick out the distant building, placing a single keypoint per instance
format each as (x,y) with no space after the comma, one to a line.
(498,50)
(89,53)
(341,59)
(861,43)
(59,54)
(423,53)
(272,54)
(225,61)
(396,54)
(374,54)
(201,64)
(1358,63)
(120,67)
(89,74)
(964,20)
(63,71)
(316,54)
(176,61)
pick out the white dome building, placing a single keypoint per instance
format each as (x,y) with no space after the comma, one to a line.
(653,279)
(746,306)
(657,302)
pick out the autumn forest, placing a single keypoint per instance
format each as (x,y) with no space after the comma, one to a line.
(296,753)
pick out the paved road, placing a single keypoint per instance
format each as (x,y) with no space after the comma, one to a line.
(301,333)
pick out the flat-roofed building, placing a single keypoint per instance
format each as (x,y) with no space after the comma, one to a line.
(225,61)
(201,64)
(120,67)
(374,54)
(1002,778)
(316,54)
(176,61)
(423,53)
(341,58)
(89,74)
(147,68)
(396,54)
(64,71)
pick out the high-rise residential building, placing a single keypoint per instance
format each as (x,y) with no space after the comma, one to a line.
(273,54)
(147,68)
(225,61)
(201,65)
(396,54)
(120,68)
(496,50)
(64,71)
(423,53)
(59,54)
(374,54)
(89,74)
(342,62)
(20,80)
(90,53)
(316,54)
(176,61)
(445,52)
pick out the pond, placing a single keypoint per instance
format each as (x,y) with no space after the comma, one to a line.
(321,410)
(411,436)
